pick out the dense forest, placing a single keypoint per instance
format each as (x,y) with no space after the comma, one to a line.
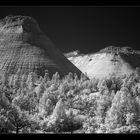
(72,104)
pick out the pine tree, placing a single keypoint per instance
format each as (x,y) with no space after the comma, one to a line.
(18,119)
(124,110)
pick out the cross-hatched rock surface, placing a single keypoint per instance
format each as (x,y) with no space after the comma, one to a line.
(25,48)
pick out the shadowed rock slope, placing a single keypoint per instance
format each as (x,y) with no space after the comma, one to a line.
(111,60)
(24,48)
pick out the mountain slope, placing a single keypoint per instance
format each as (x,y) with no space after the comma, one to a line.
(111,60)
(25,48)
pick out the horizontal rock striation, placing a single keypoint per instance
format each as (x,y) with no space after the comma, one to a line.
(25,48)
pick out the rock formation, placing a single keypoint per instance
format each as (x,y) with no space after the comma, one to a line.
(108,61)
(24,48)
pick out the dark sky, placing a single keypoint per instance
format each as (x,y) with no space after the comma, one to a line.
(86,28)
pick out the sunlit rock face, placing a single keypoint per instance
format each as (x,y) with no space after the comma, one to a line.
(25,48)
(111,60)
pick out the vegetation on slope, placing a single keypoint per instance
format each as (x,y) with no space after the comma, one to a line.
(33,104)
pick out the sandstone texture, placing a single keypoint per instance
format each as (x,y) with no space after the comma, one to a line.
(111,60)
(25,48)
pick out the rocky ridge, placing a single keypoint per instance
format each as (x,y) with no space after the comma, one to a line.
(111,60)
(25,48)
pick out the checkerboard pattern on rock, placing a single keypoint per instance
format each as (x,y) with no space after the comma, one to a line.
(25,48)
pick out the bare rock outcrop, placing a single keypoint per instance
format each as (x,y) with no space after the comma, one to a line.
(25,48)
(111,60)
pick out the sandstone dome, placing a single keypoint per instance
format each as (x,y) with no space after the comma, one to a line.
(25,48)
(111,60)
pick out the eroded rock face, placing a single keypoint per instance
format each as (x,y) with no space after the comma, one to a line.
(19,24)
(24,48)
(111,60)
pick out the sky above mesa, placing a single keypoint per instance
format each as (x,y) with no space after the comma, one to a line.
(84,28)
